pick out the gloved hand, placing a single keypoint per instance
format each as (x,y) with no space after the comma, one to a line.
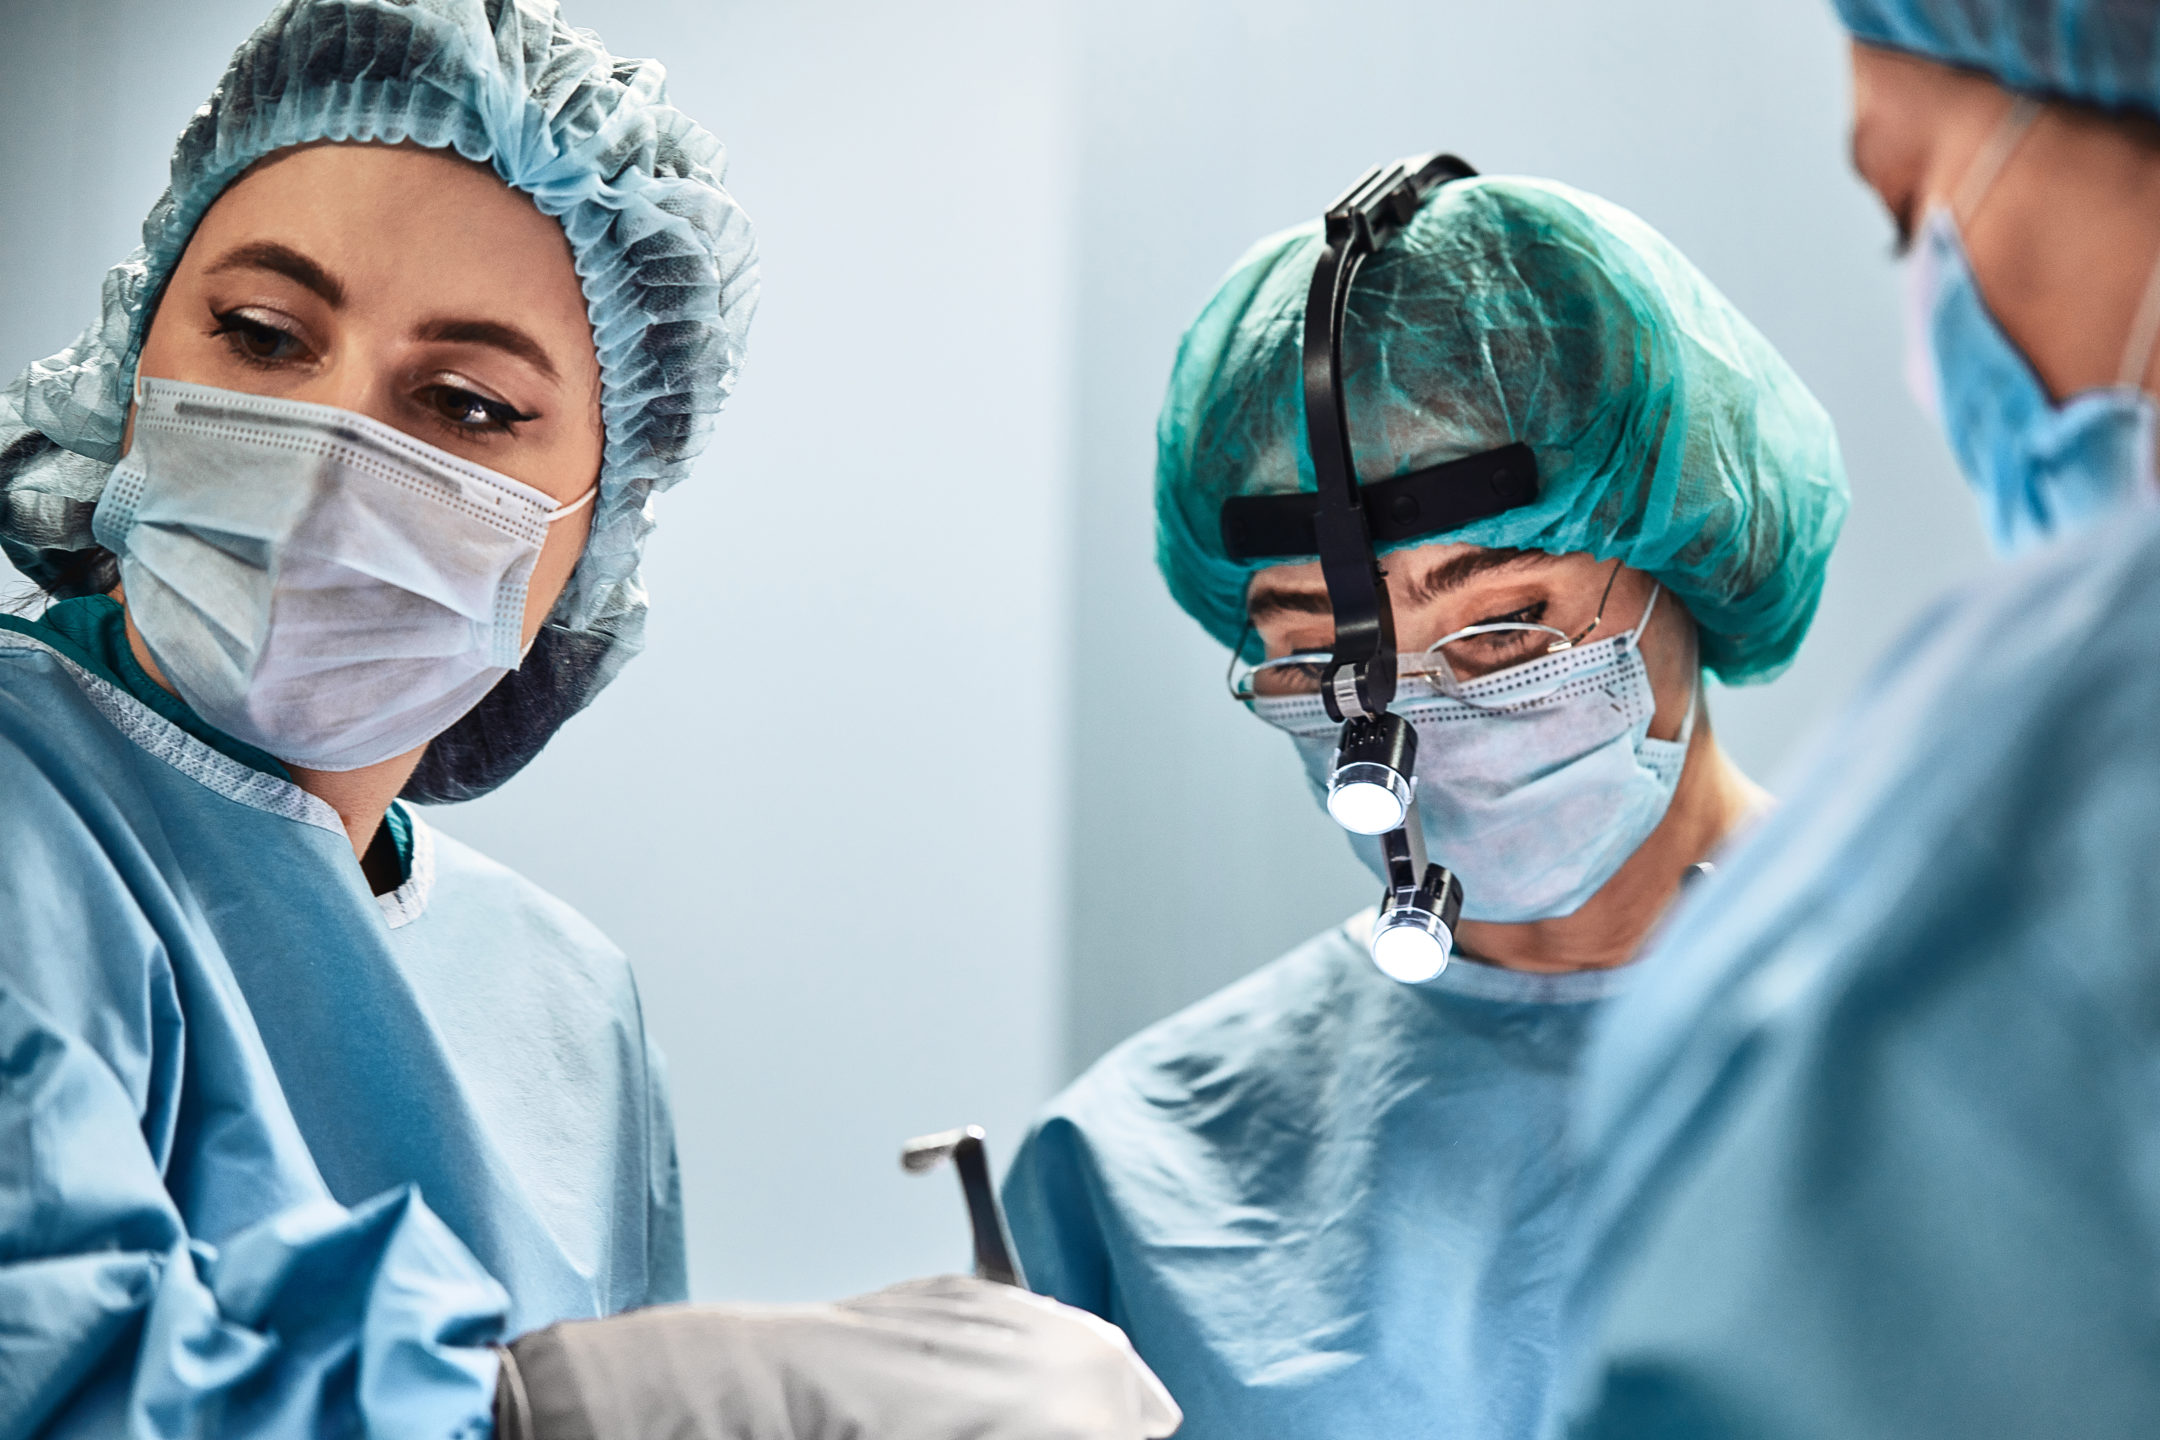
(928,1360)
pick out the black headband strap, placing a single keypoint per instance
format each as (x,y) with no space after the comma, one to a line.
(1409,507)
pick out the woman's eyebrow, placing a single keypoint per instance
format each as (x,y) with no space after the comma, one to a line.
(282,260)
(506,338)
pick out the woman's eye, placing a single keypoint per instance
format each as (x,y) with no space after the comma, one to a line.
(257,342)
(467,410)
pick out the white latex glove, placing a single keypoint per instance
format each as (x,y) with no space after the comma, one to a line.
(949,1358)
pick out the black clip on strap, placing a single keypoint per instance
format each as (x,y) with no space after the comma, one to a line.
(1360,676)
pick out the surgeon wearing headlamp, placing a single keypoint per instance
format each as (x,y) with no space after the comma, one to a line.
(313,1121)
(1326,1201)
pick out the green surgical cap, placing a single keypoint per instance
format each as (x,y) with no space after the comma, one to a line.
(1668,433)
(2104,53)
(663,252)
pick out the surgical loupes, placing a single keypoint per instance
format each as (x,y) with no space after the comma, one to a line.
(994,1258)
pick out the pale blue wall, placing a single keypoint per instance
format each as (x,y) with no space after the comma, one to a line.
(984,226)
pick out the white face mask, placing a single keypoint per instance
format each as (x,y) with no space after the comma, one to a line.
(313,582)
(1535,783)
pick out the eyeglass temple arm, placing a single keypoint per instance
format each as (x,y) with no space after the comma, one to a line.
(1612,578)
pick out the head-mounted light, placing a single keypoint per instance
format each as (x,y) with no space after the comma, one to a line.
(1373,787)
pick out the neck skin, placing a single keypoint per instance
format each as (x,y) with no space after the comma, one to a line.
(1712,799)
(361,797)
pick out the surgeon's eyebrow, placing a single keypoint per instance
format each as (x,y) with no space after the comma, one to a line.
(282,260)
(1457,571)
(1270,598)
(493,333)
(1273,597)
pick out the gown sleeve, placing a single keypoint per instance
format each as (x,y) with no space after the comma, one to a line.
(1873,1145)
(170,1261)
(1050,1206)
(666,1261)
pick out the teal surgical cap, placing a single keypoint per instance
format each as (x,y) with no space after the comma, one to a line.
(2104,53)
(1667,432)
(665,256)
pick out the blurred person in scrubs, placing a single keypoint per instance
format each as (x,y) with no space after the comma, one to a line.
(1324,1202)
(1874,1150)
(313,1121)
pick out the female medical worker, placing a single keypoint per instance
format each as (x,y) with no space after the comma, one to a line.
(302,1106)
(1873,1151)
(1324,1203)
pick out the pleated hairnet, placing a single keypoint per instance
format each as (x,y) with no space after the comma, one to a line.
(664,254)
(2098,52)
(1667,432)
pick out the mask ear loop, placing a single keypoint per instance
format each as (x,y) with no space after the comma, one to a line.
(1695,685)
(1237,653)
(1694,704)
(564,512)
(560,512)
(1687,720)
(2144,336)
(1988,163)
(1634,636)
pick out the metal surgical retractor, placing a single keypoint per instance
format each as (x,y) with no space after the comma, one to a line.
(1372,789)
(994,1258)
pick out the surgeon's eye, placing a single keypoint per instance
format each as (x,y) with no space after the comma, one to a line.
(469,412)
(1504,640)
(258,342)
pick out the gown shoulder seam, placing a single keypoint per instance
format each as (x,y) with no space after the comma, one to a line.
(166,742)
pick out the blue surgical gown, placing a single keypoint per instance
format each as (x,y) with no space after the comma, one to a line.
(278,1155)
(1873,1146)
(1322,1203)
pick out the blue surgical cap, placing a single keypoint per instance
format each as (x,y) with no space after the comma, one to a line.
(2104,53)
(663,252)
(1667,432)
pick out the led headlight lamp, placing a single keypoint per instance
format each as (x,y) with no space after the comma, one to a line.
(1413,938)
(1373,787)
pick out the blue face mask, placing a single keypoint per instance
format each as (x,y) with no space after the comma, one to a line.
(1535,783)
(2038,469)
